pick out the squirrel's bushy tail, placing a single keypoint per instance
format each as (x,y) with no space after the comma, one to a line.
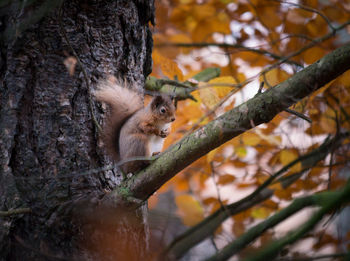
(123,103)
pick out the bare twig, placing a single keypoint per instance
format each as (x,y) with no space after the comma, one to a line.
(331,200)
(16,211)
(306,47)
(261,87)
(298,114)
(229,46)
(310,258)
(309,9)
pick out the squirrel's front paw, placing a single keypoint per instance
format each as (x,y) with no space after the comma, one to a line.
(164,133)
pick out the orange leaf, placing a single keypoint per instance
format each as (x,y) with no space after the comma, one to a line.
(270,17)
(190,209)
(226,179)
(314,54)
(211,155)
(169,67)
(250,139)
(221,89)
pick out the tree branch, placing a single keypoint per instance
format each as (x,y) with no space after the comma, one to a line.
(257,230)
(328,201)
(260,109)
(207,227)
(177,89)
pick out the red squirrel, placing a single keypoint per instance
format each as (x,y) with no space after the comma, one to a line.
(132,130)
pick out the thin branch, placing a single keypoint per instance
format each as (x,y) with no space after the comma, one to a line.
(17,211)
(194,235)
(306,47)
(261,87)
(309,9)
(329,202)
(257,230)
(311,258)
(181,90)
(298,114)
(213,174)
(229,46)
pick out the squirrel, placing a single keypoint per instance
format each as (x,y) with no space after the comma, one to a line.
(132,130)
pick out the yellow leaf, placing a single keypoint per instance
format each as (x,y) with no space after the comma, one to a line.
(250,139)
(220,88)
(186,1)
(220,24)
(274,77)
(344,79)
(260,213)
(201,12)
(208,96)
(287,156)
(180,38)
(179,16)
(328,121)
(190,23)
(190,209)
(241,152)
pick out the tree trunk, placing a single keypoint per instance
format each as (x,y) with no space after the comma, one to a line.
(49,139)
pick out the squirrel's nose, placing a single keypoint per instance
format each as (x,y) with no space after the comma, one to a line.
(172,119)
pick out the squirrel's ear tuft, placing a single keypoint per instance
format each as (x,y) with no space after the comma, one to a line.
(157,101)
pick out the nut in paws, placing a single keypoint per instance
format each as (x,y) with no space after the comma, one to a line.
(164,133)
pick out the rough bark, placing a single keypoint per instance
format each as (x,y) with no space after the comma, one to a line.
(48,138)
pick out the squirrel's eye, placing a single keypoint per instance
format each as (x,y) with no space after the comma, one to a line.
(162,110)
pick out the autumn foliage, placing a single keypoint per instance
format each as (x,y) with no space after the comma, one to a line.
(255,43)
